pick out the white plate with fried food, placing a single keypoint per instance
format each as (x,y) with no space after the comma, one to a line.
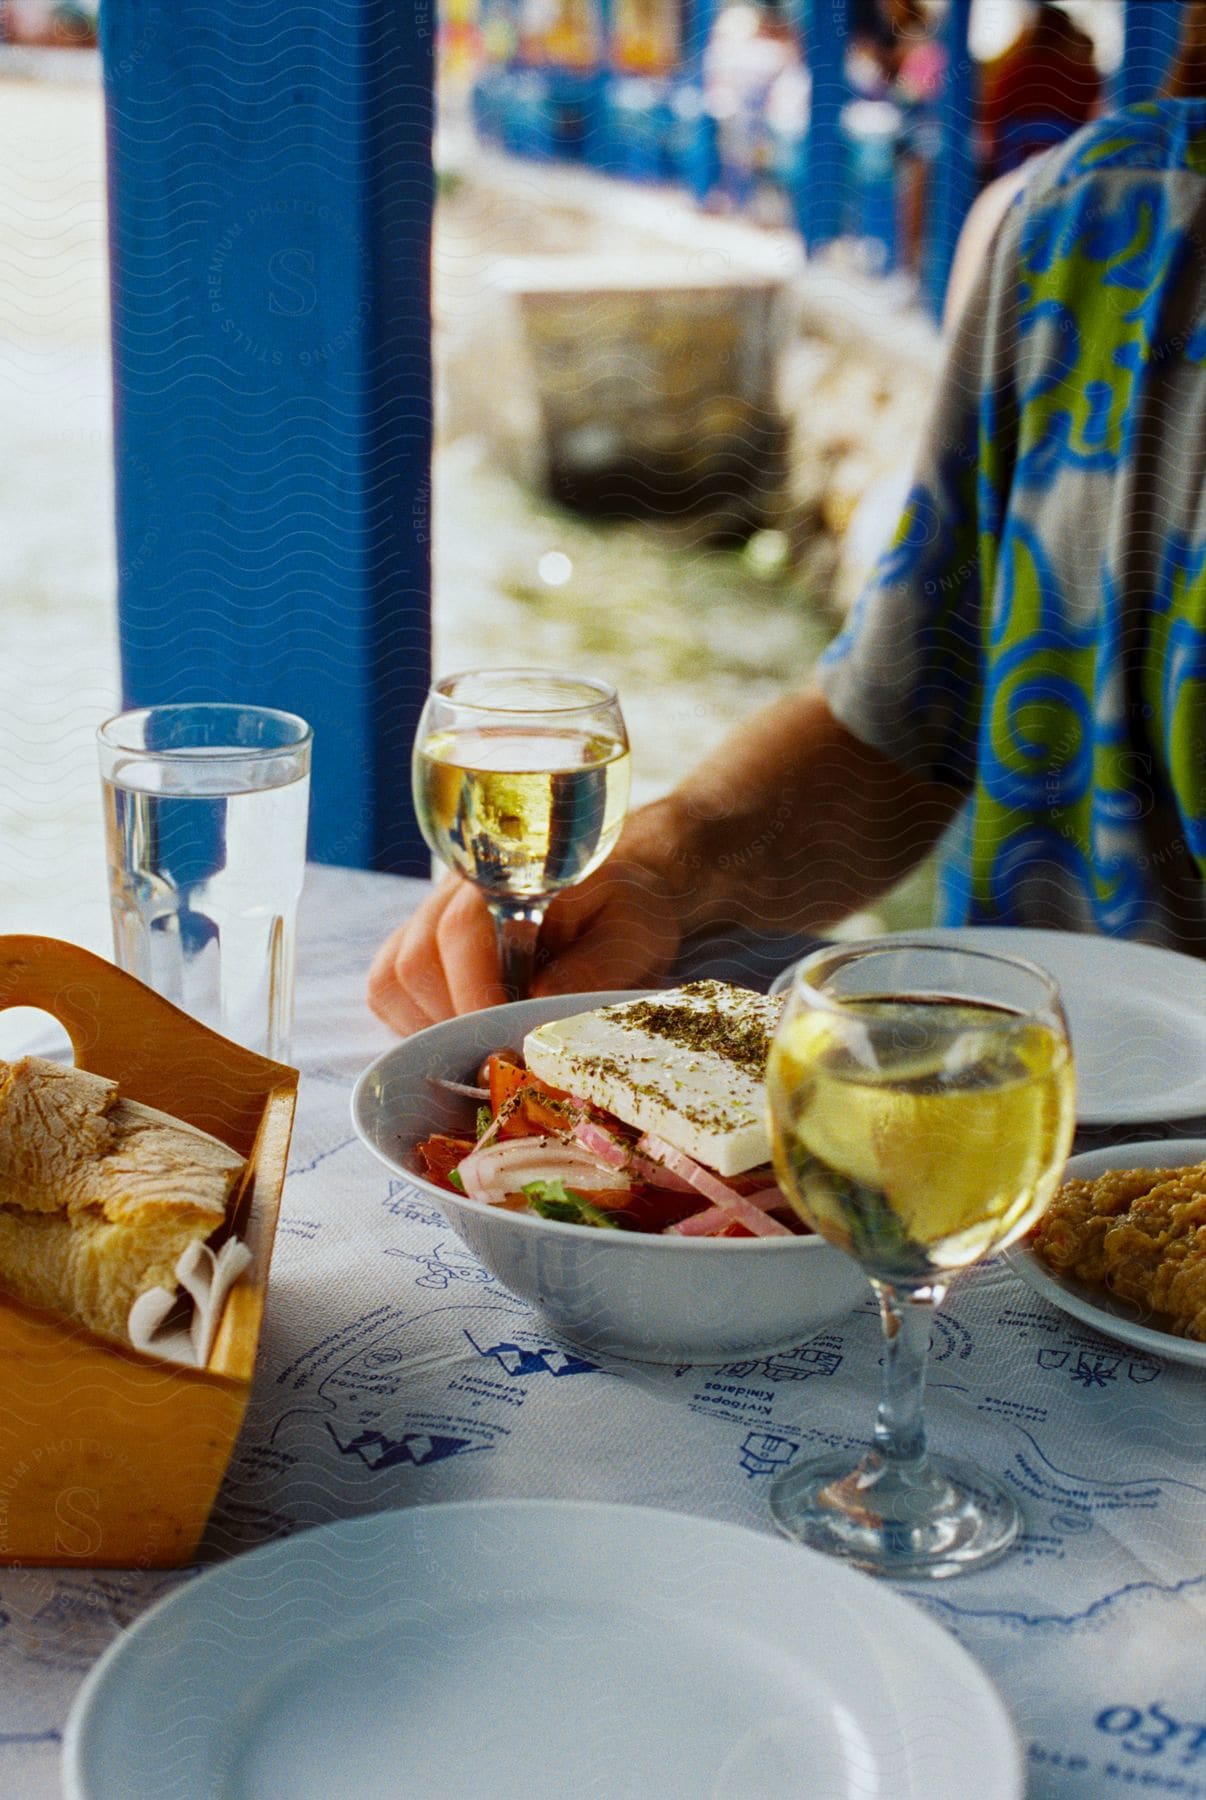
(1124,1251)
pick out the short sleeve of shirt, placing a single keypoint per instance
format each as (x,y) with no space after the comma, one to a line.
(906,674)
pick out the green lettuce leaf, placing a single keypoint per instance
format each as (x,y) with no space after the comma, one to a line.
(553,1200)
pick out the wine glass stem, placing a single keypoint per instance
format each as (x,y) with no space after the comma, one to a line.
(516,928)
(899,1425)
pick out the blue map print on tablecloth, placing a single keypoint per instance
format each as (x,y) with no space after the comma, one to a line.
(1098,1368)
(377,1451)
(545,1359)
(444,1264)
(765,1452)
(321,1156)
(402,1200)
(1092,1501)
(363,1387)
(1129,1590)
(814,1358)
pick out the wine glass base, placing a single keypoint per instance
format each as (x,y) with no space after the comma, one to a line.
(922,1521)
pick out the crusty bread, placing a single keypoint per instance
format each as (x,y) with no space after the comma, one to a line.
(98,1195)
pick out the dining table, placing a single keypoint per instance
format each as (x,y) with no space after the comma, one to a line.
(394,1371)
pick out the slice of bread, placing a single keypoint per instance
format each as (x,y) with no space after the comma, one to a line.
(99,1195)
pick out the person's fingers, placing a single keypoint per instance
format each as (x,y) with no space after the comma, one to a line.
(398,1011)
(624,932)
(576,909)
(611,956)
(468,952)
(617,929)
(406,983)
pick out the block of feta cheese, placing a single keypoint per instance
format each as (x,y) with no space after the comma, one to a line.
(687,1065)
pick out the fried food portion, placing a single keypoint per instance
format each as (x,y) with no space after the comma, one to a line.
(1141,1233)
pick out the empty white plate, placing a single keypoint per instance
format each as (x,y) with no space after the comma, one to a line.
(530,1650)
(1137,1017)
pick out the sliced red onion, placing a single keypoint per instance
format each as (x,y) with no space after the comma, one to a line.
(767,1198)
(759,1222)
(602,1144)
(679,1163)
(702,1224)
(474,1181)
(658,1175)
(724,1198)
(460,1087)
(714,1218)
(503,1168)
(616,1154)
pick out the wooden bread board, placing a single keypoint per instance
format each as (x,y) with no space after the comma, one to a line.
(109,1458)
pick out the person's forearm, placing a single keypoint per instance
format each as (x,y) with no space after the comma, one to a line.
(790,825)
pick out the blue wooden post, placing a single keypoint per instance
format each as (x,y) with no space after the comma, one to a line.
(491,90)
(270,200)
(954,176)
(696,19)
(818,205)
(697,162)
(1152,30)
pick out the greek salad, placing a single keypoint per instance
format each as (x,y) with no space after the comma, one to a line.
(537,1149)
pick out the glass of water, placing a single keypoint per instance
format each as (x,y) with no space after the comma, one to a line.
(206,808)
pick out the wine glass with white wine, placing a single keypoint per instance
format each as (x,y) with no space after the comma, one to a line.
(921,1106)
(521,783)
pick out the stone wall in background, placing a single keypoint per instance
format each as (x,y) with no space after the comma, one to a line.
(855,383)
(656,384)
(813,386)
(618,350)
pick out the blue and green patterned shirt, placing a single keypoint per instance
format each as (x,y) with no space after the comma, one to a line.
(1036,636)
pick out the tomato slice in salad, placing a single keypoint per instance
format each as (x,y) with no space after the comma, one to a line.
(645,1208)
(531,1108)
(440,1155)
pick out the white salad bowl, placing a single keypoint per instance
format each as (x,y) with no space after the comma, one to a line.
(648,1297)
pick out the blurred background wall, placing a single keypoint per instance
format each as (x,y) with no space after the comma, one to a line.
(688,272)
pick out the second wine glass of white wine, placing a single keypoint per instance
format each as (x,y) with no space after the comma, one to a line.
(521,781)
(922,1102)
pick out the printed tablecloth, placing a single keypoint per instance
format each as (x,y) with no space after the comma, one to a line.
(395,1371)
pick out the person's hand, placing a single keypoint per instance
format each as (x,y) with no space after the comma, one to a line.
(442,961)
(619,928)
(792,824)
